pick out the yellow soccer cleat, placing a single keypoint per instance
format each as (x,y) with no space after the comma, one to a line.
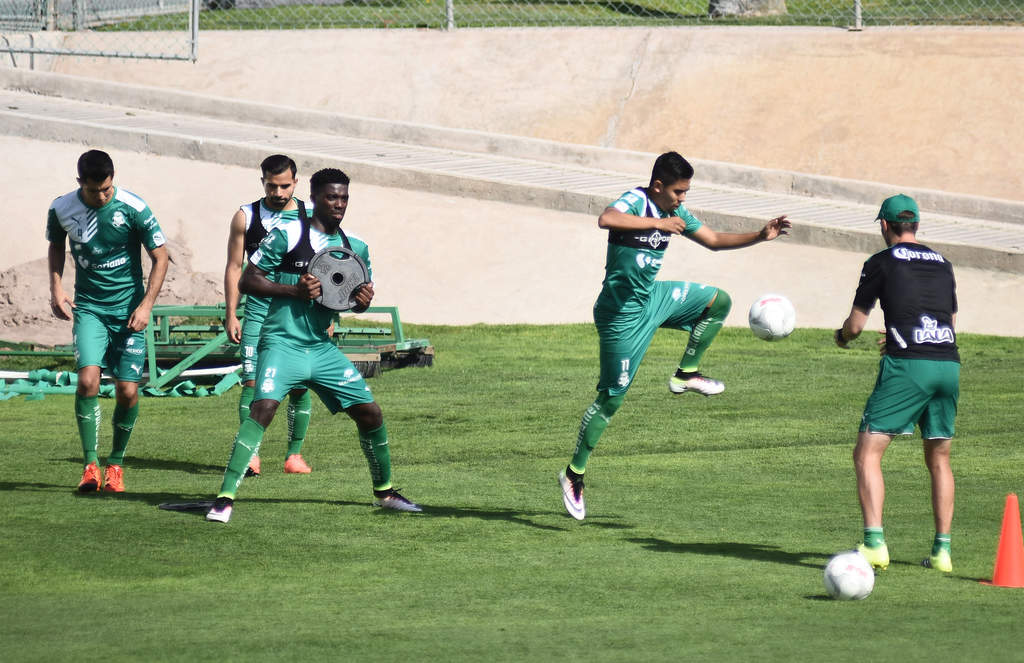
(878,557)
(940,562)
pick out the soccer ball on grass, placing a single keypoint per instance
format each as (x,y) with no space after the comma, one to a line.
(772,317)
(849,577)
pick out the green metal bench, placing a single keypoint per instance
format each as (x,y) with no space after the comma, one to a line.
(186,336)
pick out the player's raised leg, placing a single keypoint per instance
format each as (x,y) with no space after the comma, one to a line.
(688,376)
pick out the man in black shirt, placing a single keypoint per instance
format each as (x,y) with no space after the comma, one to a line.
(918,376)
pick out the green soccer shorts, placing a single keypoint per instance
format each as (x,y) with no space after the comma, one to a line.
(625,337)
(104,340)
(913,391)
(323,368)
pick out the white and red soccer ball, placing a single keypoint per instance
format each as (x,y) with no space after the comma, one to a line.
(772,317)
(849,576)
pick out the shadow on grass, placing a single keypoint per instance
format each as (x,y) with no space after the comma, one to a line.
(132,462)
(198,504)
(753,551)
(182,504)
(148,498)
(508,515)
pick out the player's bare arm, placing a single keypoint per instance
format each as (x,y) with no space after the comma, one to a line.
(717,241)
(613,219)
(139,318)
(254,281)
(852,327)
(60,303)
(232,272)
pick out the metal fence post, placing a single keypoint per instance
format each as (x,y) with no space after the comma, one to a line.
(449,11)
(50,7)
(194,30)
(857,24)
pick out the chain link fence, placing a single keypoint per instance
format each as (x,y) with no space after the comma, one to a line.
(169,29)
(103,28)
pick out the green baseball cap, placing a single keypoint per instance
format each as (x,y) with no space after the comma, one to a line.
(900,208)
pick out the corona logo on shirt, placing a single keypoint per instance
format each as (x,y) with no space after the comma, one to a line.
(903,253)
(931,332)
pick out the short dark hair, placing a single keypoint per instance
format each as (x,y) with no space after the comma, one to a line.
(327,176)
(671,167)
(95,166)
(276,164)
(900,227)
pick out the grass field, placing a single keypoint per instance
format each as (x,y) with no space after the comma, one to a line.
(709,520)
(498,13)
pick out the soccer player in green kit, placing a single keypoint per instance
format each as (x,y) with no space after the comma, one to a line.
(107,227)
(249,225)
(632,305)
(295,349)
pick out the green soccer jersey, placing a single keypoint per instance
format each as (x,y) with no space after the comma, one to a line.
(290,320)
(106,244)
(256,307)
(634,257)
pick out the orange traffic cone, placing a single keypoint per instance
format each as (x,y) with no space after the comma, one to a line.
(1009,568)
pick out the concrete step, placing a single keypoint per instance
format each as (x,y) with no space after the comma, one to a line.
(487,166)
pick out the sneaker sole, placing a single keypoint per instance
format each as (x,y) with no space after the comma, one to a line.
(222,517)
(408,508)
(683,390)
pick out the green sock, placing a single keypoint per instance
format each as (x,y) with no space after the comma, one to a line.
(299,408)
(87,413)
(941,542)
(594,421)
(704,332)
(244,401)
(873,537)
(247,445)
(124,422)
(375,447)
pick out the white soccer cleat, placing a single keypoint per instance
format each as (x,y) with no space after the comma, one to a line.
(697,383)
(392,499)
(220,512)
(572,495)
